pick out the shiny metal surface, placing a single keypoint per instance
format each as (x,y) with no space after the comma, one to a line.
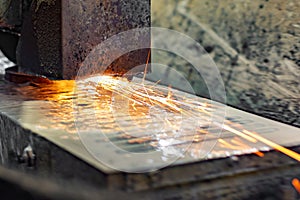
(49,110)
(4,63)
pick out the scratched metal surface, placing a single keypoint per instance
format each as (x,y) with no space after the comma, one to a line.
(49,110)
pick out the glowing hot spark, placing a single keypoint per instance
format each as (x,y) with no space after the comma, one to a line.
(145,95)
(278,147)
(296,184)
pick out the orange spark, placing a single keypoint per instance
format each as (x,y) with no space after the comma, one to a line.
(278,147)
(147,62)
(145,95)
(296,184)
(259,153)
(228,128)
(133,106)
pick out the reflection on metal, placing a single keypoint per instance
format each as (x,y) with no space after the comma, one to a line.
(27,156)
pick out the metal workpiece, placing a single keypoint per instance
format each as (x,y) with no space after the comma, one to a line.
(12,12)
(39,49)
(100,136)
(57,36)
(64,132)
(86,24)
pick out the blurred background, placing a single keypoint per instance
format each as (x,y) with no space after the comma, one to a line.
(255,45)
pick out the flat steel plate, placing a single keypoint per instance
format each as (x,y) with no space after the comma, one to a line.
(93,131)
